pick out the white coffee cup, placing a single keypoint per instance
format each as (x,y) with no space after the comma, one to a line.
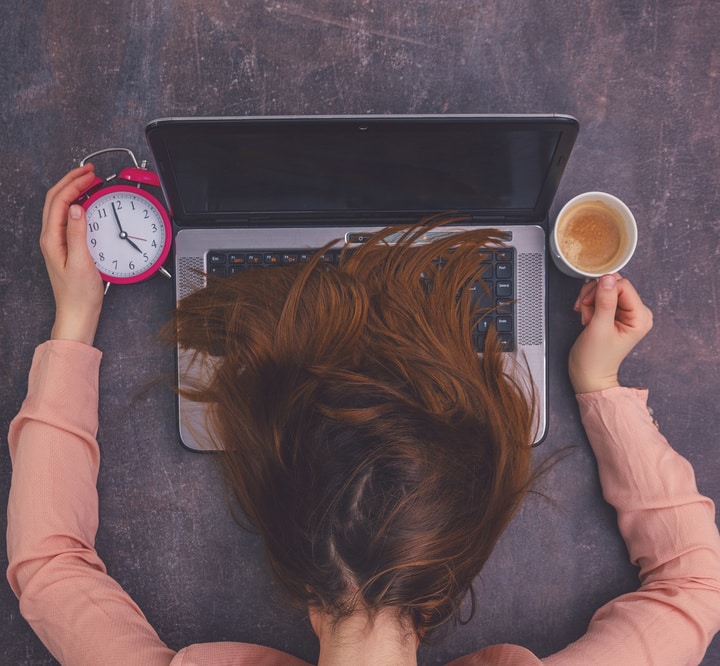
(594,234)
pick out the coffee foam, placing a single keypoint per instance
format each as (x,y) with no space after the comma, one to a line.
(592,236)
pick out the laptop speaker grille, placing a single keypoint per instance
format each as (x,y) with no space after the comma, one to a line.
(190,275)
(530,305)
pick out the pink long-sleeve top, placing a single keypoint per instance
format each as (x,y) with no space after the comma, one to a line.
(84,617)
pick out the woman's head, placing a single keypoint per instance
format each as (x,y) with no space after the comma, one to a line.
(378,455)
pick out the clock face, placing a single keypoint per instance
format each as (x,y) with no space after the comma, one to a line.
(128,233)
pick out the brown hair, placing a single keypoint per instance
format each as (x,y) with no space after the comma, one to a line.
(376,452)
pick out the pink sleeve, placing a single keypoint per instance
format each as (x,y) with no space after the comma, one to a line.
(81,614)
(670,532)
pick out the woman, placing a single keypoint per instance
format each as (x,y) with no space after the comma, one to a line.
(373,446)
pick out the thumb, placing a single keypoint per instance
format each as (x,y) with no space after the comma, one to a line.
(77,234)
(606,300)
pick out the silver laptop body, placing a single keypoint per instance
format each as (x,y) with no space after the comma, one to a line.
(280,187)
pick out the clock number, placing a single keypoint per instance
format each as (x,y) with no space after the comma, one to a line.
(145,257)
(101,257)
(131,266)
(94,226)
(93,242)
(118,205)
(147,214)
(102,213)
(115,263)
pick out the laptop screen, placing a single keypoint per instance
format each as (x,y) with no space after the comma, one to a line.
(259,169)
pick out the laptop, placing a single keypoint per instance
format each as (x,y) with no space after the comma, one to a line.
(247,191)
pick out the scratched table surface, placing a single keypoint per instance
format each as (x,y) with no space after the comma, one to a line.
(642,77)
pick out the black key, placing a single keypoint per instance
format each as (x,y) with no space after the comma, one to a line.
(481,299)
(484,325)
(503,288)
(503,271)
(216,259)
(503,307)
(504,324)
(487,272)
(506,342)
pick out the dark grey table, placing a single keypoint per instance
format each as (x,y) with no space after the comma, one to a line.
(643,78)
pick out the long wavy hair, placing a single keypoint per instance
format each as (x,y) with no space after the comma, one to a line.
(377,453)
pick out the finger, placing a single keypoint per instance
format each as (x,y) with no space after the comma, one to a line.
(631,309)
(77,249)
(589,295)
(628,297)
(66,180)
(586,298)
(586,312)
(53,234)
(69,177)
(585,291)
(67,189)
(587,303)
(604,301)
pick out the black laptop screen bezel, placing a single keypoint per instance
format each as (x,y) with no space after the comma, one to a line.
(163,134)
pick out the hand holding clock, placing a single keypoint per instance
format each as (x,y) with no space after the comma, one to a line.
(76,283)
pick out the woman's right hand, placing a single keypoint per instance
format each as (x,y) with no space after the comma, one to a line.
(615,320)
(76,283)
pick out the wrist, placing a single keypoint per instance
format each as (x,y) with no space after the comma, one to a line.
(78,328)
(592,384)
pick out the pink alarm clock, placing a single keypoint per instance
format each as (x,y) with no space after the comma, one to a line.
(128,229)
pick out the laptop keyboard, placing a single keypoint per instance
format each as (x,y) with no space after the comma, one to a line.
(497,302)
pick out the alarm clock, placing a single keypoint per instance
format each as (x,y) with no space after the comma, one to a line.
(128,228)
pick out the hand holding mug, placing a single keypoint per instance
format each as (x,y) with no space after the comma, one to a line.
(615,320)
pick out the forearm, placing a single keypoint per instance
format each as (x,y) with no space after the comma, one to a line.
(80,613)
(661,514)
(670,532)
(55,460)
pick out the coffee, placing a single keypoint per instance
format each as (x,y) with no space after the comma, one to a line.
(592,236)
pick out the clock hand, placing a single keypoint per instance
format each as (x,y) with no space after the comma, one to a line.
(123,234)
(117,219)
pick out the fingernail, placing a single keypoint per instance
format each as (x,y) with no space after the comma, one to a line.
(607,282)
(589,298)
(75,212)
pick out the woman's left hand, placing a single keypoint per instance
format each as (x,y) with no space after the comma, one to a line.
(76,283)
